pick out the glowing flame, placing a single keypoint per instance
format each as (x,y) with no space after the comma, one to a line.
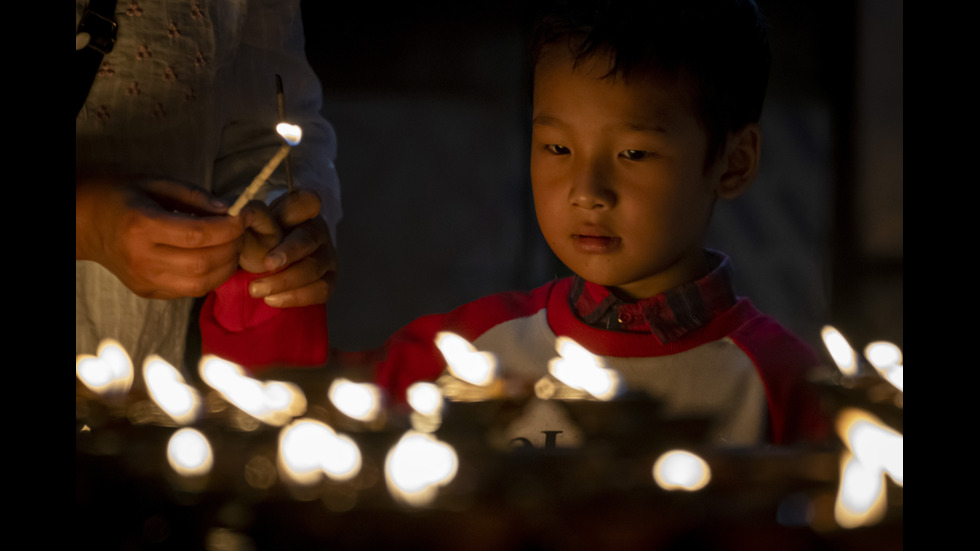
(425,398)
(167,388)
(189,453)
(290,132)
(874,450)
(110,371)
(273,402)
(681,470)
(361,401)
(417,466)
(427,401)
(842,353)
(580,369)
(309,448)
(465,362)
(887,361)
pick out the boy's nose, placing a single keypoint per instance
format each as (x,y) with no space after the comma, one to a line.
(592,189)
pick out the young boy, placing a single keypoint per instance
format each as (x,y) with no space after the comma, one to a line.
(643,117)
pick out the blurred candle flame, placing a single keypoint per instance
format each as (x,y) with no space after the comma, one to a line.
(873,450)
(361,401)
(840,350)
(427,401)
(417,466)
(582,370)
(681,470)
(272,402)
(189,453)
(309,448)
(108,372)
(168,390)
(887,361)
(465,362)
(425,398)
(290,132)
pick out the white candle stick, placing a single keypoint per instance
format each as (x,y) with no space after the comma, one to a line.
(292,134)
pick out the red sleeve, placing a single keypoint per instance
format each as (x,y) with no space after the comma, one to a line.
(249,332)
(784,363)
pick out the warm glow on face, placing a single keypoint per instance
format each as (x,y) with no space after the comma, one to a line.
(580,369)
(465,362)
(418,466)
(110,371)
(842,353)
(168,390)
(361,401)
(887,361)
(290,132)
(273,402)
(189,453)
(309,448)
(874,449)
(681,470)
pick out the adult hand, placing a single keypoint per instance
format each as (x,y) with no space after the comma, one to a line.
(162,239)
(304,263)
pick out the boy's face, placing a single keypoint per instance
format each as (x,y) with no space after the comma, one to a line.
(621,190)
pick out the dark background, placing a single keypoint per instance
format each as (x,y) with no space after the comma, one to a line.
(431,106)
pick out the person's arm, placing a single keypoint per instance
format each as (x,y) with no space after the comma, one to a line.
(304,264)
(162,239)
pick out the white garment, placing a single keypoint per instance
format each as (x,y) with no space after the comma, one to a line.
(189,94)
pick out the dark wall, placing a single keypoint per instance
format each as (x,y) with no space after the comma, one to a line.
(431,108)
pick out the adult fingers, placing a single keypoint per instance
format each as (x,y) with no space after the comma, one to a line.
(297,207)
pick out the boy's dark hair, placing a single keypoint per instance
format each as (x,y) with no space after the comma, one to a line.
(721,44)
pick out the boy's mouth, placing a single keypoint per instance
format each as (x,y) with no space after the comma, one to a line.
(595,243)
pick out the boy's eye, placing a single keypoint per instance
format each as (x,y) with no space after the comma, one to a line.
(634,154)
(557,149)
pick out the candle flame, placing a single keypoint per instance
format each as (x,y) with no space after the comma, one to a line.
(840,350)
(309,448)
(427,401)
(465,362)
(272,402)
(681,470)
(873,450)
(189,453)
(582,370)
(361,401)
(290,132)
(168,390)
(887,361)
(417,466)
(108,372)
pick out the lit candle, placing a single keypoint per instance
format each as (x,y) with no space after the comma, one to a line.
(309,448)
(471,375)
(189,453)
(840,350)
(887,361)
(417,466)
(873,450)
(273,402)
(581,370)
(292,134)
(108,372)
(681,470)
(168,390)
(360,401)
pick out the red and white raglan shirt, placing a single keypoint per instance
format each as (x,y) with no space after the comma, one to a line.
(698,349)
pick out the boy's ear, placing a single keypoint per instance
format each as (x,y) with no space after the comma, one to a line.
(741,161)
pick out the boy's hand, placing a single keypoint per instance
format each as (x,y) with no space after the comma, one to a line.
(261,236)
(162,239)
(305,259)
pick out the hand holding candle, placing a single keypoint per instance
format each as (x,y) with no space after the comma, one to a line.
(289,132)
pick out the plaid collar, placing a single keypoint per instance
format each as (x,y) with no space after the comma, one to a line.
(670,315)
